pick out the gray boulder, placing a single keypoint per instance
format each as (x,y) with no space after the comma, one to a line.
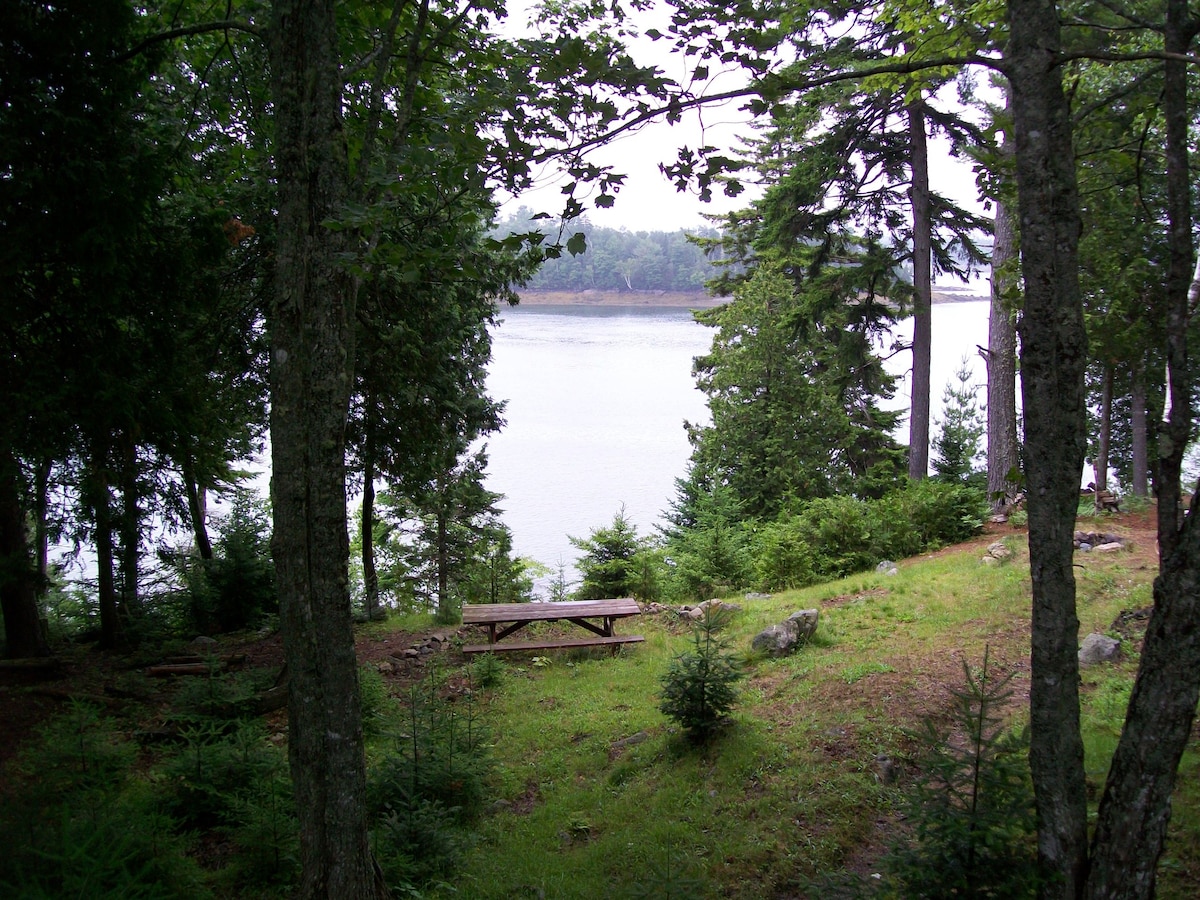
(786,637)
(1099,648)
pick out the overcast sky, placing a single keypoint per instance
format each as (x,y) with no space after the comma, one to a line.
(648,201)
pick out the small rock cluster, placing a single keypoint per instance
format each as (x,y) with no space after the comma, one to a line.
(1098,542)
(996,553)
(787,636)
(694,613)
(434,643)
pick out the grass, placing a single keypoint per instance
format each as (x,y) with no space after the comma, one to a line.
(794,790)
(595,793)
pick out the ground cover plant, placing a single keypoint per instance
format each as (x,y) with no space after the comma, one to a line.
(560,775)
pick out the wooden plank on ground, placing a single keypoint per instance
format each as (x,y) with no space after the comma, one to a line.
(563,644)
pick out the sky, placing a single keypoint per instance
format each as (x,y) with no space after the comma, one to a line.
(648,201)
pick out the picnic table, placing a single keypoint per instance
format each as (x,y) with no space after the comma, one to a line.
(594,616)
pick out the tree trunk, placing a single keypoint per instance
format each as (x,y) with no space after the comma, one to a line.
(1003,453)
(130,527)
(101,503)
(918,423)
(23,628)
(312,310)
(196,508)
(1140,457)
(1103,438)
(370,575)
(41,502)
(1053,356)
(1136,806)
(442,550)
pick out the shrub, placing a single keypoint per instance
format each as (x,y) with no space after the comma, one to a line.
(971,808)
(782,556)
(428,786)
(699,688)
(236,587)
(76,823)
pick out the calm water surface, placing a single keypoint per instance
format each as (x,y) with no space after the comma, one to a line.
(597,398)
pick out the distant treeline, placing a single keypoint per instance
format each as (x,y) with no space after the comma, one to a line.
(620,260)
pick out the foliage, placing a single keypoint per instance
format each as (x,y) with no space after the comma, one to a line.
(961,428)
(832,537)
(698,689)
(619,260)
(81,824)
(427,787)
(235,588)
(615,563)
(971,806)
(793,384)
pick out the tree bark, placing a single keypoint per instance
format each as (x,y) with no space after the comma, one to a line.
(1173,433)
(101,503)
(41,502)
(130,526)
(24,633)
(1140,462)
(918,423)
(312,308)
(1053,356)
(196,508)
(1003,454)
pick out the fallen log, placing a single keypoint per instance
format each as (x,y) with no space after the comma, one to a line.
(187,666)
(31,664)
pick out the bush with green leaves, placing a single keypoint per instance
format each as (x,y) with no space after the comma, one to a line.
(616,563)
(837,536)
(970,809)
(699,687)
(427,787)
(235,588)
(77,822)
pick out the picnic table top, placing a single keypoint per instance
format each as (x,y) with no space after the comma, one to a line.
(486,613)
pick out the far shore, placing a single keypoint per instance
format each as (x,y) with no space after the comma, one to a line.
(680,299)
(683,299)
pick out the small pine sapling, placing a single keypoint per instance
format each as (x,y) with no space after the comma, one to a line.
(971,807)
(699,688)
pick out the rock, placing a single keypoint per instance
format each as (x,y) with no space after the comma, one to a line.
(1084,547)
(203,640)
(1110,547)
(804,622)
(774,640)
(754,595)
(385,668)
(887,567)
(999,550)
(634,739)
(1099,648)
(782,639)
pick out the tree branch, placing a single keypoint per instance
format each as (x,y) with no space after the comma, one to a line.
(188,30)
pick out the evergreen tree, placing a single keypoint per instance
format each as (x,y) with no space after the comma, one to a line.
(960,428)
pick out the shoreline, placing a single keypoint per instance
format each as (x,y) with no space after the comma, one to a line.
(679,299)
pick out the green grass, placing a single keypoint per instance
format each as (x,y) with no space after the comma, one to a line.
(792,790)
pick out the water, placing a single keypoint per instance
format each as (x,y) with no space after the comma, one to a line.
(597,398)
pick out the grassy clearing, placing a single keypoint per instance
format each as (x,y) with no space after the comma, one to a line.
(599,796)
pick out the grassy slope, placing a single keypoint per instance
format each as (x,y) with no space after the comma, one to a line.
(795,788)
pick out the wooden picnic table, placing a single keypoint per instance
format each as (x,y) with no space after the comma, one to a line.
(595,616)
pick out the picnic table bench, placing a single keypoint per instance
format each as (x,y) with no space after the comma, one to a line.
(595,616)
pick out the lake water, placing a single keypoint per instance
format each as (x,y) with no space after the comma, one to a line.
(597,398)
